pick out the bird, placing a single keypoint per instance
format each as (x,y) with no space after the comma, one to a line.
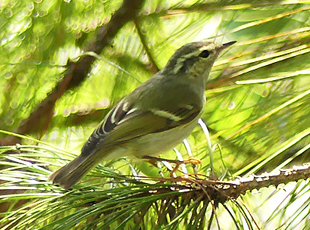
(153,118)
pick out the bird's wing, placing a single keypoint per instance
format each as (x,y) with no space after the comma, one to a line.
(125,122)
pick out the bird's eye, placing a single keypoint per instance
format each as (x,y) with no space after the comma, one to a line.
(204,54)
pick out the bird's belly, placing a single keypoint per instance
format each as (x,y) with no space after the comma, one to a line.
(156,143)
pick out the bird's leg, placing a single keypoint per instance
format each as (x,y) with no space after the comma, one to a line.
(190,160)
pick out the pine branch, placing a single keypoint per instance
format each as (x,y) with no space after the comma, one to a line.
(220,192)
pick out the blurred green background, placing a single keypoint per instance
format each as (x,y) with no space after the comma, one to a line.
(258,102)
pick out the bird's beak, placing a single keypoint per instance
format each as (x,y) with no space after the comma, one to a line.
(225,45)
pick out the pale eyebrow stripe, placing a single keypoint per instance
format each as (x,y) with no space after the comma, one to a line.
(181,60)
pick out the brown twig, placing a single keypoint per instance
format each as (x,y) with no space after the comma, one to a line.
(76,73)
(154,66)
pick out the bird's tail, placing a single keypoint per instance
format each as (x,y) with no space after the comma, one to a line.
(72,172)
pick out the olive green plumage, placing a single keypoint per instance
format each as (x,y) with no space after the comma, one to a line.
(152,119)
